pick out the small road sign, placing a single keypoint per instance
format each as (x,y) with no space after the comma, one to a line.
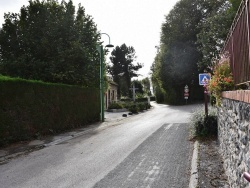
(186,90)
(204,79)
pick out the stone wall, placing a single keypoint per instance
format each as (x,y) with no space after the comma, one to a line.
(234,138)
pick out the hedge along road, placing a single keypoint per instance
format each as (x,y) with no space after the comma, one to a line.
(150,149)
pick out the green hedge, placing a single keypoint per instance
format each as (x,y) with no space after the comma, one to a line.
(32,108)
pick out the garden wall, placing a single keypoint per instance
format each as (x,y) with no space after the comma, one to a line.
(234,135)
(29,109)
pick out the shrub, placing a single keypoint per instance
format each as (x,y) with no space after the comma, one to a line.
(126,100)
(141,106)
(115,105)
(204,126)
(142,99)
(127,105)
(133,108)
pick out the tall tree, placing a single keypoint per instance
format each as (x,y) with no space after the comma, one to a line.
(214,30)
(49,41)
(123,68)
(176,62)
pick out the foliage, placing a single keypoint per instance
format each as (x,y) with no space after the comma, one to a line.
(139,95)
(222,80)
(133,108)
(192,34)
(31,108)
(235,6)
(141,106)
(51,42)
(146,86)
(122,67)
(139,87)
(175,64)
(115,105)
(204,126)
(214,30)
(126,104)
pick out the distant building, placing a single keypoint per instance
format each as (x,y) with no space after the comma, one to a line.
(111,94)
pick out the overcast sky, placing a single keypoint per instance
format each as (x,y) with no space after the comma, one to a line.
(136,23)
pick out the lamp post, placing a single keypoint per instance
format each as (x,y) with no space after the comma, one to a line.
(100,50)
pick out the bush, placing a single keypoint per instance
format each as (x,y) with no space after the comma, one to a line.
(126,100)
(115,105)
(142,99)
(127,104)
(205,126)
(134,109)
(141,106)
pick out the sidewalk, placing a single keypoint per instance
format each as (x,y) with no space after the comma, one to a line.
(210,166)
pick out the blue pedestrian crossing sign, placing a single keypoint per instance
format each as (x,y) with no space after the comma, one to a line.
(204,79)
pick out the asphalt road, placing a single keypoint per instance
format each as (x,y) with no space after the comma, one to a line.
(147,150)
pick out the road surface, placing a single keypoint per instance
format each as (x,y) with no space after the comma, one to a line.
(150,149)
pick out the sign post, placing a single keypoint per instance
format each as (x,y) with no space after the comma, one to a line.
(186,93)
(204,81)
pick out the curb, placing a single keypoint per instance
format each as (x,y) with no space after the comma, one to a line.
(194,171)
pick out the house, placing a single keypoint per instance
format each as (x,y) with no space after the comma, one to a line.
(111,93)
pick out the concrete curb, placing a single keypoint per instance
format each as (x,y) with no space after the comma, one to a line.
(66,138)
(193,183)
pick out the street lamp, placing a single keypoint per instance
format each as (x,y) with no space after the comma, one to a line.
(100,50)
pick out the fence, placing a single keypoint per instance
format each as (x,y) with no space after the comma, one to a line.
(237,45)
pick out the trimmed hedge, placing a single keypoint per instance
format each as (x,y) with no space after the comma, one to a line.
(32,108)
(115,105)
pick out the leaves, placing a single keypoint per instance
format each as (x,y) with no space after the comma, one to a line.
(192,35)
(122,67)
(48,41)
(176,63)
(214,30)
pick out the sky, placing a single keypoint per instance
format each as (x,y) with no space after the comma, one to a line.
(136,23)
